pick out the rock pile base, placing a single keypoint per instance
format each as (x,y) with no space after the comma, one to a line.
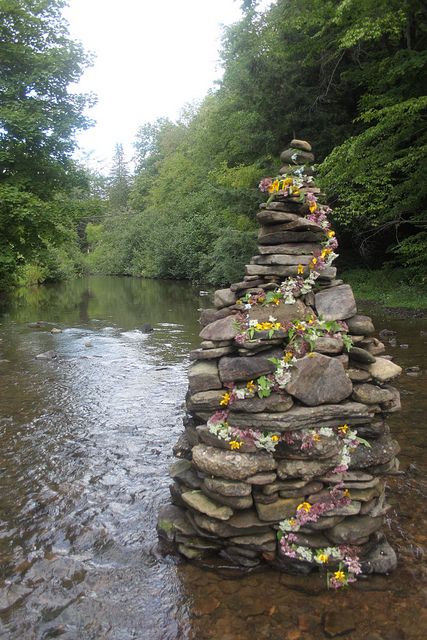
(286,444)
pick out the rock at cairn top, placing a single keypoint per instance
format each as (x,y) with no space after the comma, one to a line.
(288,377)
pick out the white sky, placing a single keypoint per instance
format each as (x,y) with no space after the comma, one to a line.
(152,57)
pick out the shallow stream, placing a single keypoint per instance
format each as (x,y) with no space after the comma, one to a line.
(85,443)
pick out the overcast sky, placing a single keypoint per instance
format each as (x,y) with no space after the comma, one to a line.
(152,57)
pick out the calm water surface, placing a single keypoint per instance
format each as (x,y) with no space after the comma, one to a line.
(85,443)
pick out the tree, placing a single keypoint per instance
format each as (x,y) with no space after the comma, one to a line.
(119,187)
(38,120)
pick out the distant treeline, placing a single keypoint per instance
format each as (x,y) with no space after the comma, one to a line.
(347,75)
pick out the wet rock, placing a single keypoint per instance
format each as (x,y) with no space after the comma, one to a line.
(210,354)
(183,471)
(247,368)
(203,376)
(374,346)
(200,502)
(281,508)
(338,623)
(337,303)
(229,464)
(360,325)
(384,370)
(182,447)
(47,355)
(189,552)
(55,330)
(224,298)
(227,487)
(392,405)
(305,468)
(371,394)
(171,519)
(146,328)
(353,529)
(361,355)
(319,380)
(382,559)
(205,401)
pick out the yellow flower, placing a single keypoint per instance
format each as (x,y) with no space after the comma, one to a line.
(251,386)
(288,356)
(331,234)
(292,522)
(273,187)
(316,437)
(304,505)
(287,182)
(343,428)
(311,354)
(225,399)
(322,557)
(300,269)
(235,445)
(314,260)
(312,207)
(276,301)
(340,576)
(346,493)
(275,438)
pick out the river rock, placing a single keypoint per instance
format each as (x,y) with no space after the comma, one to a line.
(183,471)
(210,354)
(283,313)
(257,541)
(224,530)
(219,330)
(360,325)
(278,510)
(361,355)
(230,464)
(234,502)
(329,345)
(203,376)
(358,375)
(392,405)
(338,623)
(224,298)
(274,235)
(311,488)
(294,248)
(200,502)
(47,355)
(205,400)
(260,479)
(319,380)
(353,529)
(300,144)
(384,370)
(382,559)
(336,303)
(247,368)
(305,468)
(171,519)
(330,415)
(371,394)
(380,452)
(207,316)
(276,402)
(227,487)
(269,216)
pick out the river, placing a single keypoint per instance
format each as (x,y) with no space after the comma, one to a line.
(85,443)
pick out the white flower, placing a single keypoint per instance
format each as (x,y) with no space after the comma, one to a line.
(271,319)
(247,306)
(240,394)
(253,323)
(326,431)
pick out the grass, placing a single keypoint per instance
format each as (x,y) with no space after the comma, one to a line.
(387,287)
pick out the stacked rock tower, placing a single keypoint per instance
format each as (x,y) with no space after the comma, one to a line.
(286,447)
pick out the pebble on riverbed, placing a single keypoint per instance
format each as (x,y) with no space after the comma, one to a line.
(250,463)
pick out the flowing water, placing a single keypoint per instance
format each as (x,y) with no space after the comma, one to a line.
(85,443)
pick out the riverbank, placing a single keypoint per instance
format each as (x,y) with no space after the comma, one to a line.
(389,290)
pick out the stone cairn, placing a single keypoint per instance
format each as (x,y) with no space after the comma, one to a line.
(285,448)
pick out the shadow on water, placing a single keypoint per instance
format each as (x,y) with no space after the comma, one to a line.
(86,440)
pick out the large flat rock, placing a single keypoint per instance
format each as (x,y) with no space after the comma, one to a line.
(247,367)
(200,502)
(328,415)
(230,464)
(281,508)
(305,468)
(272,216)
(382,450)
(336,303)
(359,325)
(371,394)
(282,312)
(384,370)
(319,380)
(278,235)
(353,529)
(276,402)
(291,248)
(220,330)
(227,487)
(281,258)
(205,400)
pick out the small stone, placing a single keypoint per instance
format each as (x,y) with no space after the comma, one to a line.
(296,156)
(371,394)
(200,502)
(382,559)
(358,375)
(338,623)
(384,370)
(210,354)
(224,298)
(55,330)
(205,400)
(329,345)
(336,303)
(353,529)
(207,316)
(260,479)
(47,355)
(227,487)
(300,144)
(171,519)
(361,355)
(360,325)
(235,502)
(247,368)
(183,471)
(255,541)
(305,468)
(281,508)
(222,329)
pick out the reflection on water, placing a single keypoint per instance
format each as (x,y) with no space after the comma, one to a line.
(86,440)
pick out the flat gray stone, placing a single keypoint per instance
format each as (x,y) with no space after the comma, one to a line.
(276,402)
(210,354)
(296,156)
(319,380)
(183,471)
(247,368)
(294,248)
(272,216)
(234,502)
(256,541)
(381,451)
(329,415)
(230,464)
(227,487)
(336,303)
(171,519)
(207,316)
(272,235)
(282,312)
(305,468)
(224,530)
(282,259)
(203,376)
(384,370)
(382,559)
(360,325)
(329,345)
(205,400)
(260,479)
(300,144)
(353,529)
(361,355)
(200,502)
(281,508)
(358,375)
(371,394)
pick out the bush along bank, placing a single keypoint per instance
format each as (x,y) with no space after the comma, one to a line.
(286,444)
